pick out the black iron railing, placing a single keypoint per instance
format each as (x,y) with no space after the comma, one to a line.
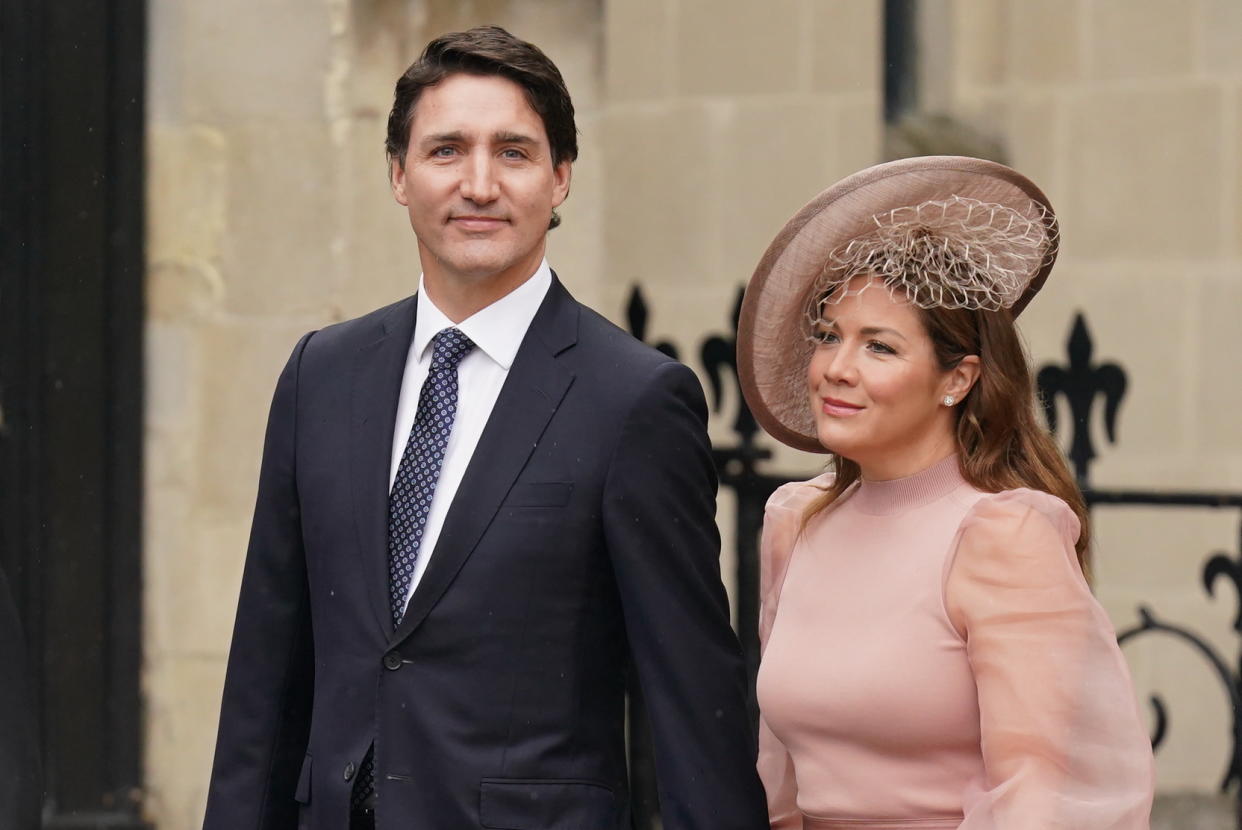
(1082,384)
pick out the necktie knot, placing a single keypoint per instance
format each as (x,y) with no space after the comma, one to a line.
(448,348)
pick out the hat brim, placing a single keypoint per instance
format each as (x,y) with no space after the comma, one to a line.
(772,352)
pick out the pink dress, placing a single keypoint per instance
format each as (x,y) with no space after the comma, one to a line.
(938,662)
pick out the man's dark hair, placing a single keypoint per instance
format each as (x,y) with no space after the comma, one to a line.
(487,50)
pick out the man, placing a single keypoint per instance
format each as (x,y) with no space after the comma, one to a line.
(479,509)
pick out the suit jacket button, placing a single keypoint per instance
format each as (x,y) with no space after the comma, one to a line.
(392,661)
(350,769)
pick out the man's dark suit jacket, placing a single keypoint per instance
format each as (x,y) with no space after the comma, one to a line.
(580,545)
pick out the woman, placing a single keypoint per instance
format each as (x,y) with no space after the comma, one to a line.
(932,655)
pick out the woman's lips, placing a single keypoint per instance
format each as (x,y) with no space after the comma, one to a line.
(839,409)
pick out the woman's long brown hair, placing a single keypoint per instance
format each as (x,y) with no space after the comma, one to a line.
(1001,443)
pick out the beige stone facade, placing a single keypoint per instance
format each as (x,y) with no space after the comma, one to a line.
(705,124)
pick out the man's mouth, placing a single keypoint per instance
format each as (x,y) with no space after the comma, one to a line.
(475,222)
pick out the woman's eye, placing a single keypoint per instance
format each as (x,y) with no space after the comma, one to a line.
(881,348)
(824,336)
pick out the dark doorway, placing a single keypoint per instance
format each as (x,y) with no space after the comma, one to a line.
(71,317)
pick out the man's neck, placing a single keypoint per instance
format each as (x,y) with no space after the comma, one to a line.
(460,297)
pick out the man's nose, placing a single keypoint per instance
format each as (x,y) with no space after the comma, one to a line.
(479,183)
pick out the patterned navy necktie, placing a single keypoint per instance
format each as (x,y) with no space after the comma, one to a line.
(410,499)
(419,470)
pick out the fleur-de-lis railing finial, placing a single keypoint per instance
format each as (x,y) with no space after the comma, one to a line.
(719,355)
(636,315)
(1081,383)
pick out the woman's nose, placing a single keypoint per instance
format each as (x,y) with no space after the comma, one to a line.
(840,366)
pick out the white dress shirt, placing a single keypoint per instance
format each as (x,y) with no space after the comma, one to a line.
(497,332)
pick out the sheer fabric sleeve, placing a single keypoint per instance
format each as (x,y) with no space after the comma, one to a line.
(1063,743)
(782,521)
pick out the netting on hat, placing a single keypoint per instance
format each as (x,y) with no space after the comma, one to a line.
(951,253)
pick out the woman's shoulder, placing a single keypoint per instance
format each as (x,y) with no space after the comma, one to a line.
(794,497)
(1015,511)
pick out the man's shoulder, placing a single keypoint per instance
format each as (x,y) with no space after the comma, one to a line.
(352,334)
(602,338)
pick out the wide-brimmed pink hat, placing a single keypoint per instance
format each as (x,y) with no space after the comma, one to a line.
(945,231)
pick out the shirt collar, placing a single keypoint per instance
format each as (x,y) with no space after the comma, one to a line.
(498,329)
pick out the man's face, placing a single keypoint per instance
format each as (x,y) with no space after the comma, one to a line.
(479,184)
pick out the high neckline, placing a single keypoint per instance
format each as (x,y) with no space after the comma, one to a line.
(900,494)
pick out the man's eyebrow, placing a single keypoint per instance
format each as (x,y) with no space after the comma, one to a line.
(513,138)
(503,137)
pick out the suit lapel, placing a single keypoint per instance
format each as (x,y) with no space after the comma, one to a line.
(536,384)
(378,368)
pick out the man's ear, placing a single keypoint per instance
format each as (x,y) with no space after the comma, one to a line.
(962,378)
(396,178)
(562,174)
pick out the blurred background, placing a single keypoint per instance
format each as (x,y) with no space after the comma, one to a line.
(187,186)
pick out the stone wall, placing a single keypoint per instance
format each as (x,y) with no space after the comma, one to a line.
(705,125)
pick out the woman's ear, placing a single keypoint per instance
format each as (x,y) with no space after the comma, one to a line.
(961,378)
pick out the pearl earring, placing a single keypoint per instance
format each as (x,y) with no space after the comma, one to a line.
(949,400)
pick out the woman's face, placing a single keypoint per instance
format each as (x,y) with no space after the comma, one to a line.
(875,385)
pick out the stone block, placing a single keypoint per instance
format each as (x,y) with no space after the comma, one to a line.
(379,51)
(979,47)
(439,16)
(182,697)
(379,252)
(859,138)
(282,219)
(1141,38)
(662,194)
(229,68)
(173,367)
(1234,142)
(1044,40)
(847,46)
(241,362)
(1218,383)
(1144,171)
(167,538)
(1030,137)
(200,597)
(776,156)
(572,34)
(1157,550)
(738,47)
(187,185)
(639,46)
(1220,37)
(164,98)
(573,248)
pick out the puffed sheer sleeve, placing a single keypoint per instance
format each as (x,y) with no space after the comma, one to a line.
(1063,743)
(782,522)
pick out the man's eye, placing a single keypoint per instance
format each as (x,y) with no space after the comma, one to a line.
(513,154)
(443,152)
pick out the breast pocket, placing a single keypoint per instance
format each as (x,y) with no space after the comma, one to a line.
(539,494)
(545,804)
